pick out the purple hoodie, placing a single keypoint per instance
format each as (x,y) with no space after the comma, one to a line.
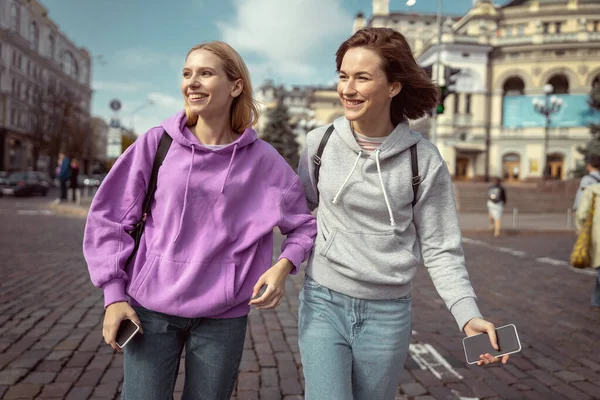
(209,236)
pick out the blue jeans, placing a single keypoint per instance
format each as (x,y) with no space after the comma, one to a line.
(351,348)
(596,294)
(213,352)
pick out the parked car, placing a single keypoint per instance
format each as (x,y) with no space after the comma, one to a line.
(94,180)
(24,183)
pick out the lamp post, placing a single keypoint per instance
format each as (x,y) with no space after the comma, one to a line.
(147,103)
(547,107)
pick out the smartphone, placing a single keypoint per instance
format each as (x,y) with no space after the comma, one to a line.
(127,330)
(476,345)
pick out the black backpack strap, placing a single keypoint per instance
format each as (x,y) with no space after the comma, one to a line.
(317,157)
(416,178)
(594,177)
(159,157)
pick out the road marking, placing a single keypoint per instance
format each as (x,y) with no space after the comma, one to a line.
(427,357)
(543,260)
(34,212)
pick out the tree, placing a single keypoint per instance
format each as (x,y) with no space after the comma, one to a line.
(593,146)
(279,134)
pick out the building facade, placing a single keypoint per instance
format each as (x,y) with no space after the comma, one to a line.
(508,56)
(45,89)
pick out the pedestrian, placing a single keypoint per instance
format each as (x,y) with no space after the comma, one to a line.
(208,242)
(64,175)
(74,184)
(591,195)
(592,166)
(354,314)
(496,200)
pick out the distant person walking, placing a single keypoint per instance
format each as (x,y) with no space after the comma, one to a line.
(591,195)
(74,185)
(64,174)
(592,177)
(495,204)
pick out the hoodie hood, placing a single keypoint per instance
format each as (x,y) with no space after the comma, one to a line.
(398,141)
(177,129)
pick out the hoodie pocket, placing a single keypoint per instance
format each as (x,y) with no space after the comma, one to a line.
(187,287)
(372,257)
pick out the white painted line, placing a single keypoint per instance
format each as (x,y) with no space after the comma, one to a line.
(34,212)
(427,357)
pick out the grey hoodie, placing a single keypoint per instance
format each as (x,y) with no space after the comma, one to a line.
(370,238)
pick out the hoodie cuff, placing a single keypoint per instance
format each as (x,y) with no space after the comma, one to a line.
(294,253)
(114,291)
(465,310)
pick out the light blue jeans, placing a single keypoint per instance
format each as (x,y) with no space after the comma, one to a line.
(351,349)
(213,353)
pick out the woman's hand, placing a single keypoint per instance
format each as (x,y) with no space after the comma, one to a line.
(478,325)
(274,279)
(115,313)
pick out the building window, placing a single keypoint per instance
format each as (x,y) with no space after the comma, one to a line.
(557,27)
(69,66)
(14,18)
(595,26)
(34,36)
(509,30)
(13,117)
(545,27)
(51,47)
(456,102)
(468,104)
(520,30)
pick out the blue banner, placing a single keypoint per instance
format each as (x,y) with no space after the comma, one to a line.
(519,112)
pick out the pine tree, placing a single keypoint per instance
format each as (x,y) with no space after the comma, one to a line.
(593,146)
(279,134)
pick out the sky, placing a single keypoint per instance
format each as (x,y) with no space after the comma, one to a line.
(138,47)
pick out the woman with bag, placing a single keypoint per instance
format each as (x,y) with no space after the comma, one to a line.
(207,244)
(374,230)
(586,253)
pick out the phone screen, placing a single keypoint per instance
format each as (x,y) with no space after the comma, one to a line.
(508,341)
(127,329)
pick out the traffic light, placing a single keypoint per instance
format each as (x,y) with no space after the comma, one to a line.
(449,86)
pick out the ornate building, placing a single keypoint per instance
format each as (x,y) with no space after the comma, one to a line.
(38,65)
(508,56)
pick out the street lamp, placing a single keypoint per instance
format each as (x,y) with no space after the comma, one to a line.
(550,105)
(148,103)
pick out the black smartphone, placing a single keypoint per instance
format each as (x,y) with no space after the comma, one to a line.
(476,345)
(127,330)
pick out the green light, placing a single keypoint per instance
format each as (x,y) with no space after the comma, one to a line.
(440,109)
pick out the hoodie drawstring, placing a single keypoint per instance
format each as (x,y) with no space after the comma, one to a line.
(235,146)
(387,202)
(335,199)
(185,195)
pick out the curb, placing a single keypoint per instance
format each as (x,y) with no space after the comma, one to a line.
(517,232)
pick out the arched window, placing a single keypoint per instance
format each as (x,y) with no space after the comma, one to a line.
(14,18)
(34,35)
(69,65)
(560,84)
(513,86)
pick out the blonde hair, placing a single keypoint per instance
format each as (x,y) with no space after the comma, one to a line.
(244,109)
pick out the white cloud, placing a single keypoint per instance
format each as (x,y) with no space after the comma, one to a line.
(285,35)
(165,102)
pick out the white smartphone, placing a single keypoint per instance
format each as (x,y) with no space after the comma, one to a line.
(476,345)
(127,330)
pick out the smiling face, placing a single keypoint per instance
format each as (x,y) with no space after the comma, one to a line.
(363,87)
(205,86)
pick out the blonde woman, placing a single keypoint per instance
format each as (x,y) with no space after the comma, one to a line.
(208,241)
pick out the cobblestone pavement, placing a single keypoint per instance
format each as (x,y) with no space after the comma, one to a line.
(51,316)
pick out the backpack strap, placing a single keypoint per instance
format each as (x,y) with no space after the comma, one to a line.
(317,157)
(159,157)
(416,178)
(594,177)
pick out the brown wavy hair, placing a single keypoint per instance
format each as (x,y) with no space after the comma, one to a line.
(419,95)
(244,109)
